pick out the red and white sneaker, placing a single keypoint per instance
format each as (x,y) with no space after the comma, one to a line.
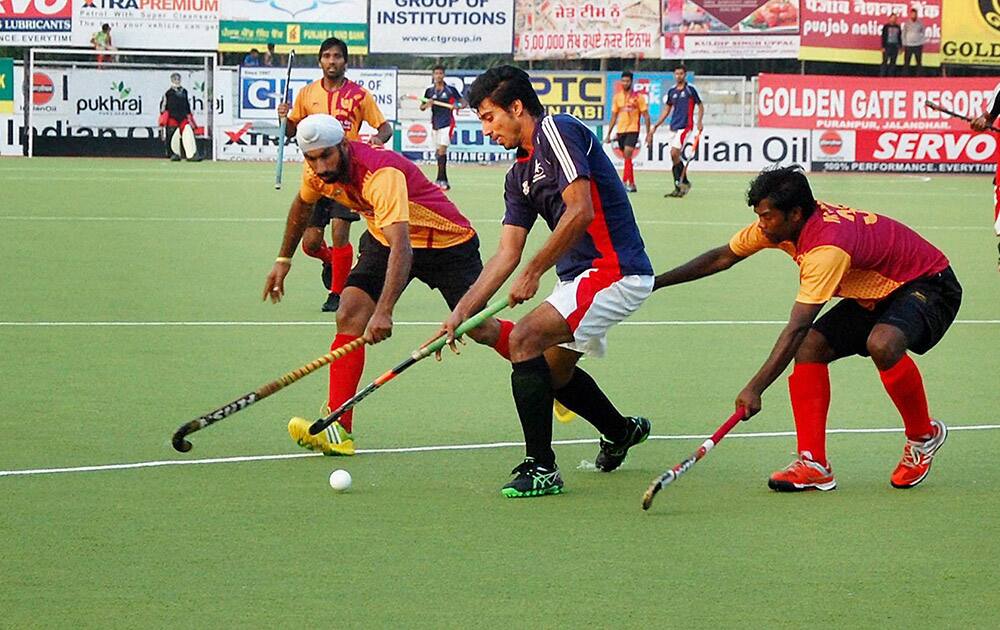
(917,457)
(802,474)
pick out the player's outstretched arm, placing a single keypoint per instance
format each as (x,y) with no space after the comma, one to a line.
(784,350)
(611,127)
(495,272)
(295,225)
(396,274)
(712,261)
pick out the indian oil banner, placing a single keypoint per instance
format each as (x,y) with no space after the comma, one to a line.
(292,24)
(834,102)
(850,31)
(970,32)
(571,29)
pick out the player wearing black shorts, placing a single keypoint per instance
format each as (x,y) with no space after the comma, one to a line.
(414,231)
(898,293)
(628,108)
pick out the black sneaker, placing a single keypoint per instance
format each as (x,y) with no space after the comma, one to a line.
(532,480)
(332,303)
(613,453)
(676,192)
(327,275)
(631,188)
(174,157)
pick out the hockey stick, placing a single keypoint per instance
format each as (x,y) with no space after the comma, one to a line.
(182,445)
(681,468)
(694,153)
(944,110)
(282,140)
(417,355)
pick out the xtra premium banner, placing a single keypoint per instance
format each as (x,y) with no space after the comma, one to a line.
(727,29)
(829,102)
(292,24)
(970,32)
(445,27)
(851,30)
(149,24)
(567,29)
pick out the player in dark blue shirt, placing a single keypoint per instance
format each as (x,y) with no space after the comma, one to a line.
(563,176)
(679,104)
(444,100)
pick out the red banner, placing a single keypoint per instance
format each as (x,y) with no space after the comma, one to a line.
(827,102)
(905,151)
(851,30)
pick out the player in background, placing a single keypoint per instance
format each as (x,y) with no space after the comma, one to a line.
(351,104)
(628,107)
(680,104)
(562,175)
(414,231)
(178,122)
(442,120)
(898,294)
(982,123)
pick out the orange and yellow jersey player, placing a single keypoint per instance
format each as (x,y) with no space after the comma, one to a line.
(414,231)
(628,108)
(898,294)
(334,94)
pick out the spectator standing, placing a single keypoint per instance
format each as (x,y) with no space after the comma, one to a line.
(101,40)
(892,38)
(270,58)
(913,42)
(252,59)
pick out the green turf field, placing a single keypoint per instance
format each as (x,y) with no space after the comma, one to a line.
(131,303)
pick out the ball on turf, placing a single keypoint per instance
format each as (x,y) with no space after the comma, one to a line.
(340,480)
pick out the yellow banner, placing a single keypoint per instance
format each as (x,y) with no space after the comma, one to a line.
(970,32)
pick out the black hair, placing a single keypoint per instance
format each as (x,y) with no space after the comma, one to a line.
(626,74)
(786,187)
(438,67)
(105,27)
(254,50)
(333,42)
(680,66)
(503,85)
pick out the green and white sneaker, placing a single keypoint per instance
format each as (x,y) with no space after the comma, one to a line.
(532,480)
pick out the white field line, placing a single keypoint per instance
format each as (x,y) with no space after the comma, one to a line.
(480,220)
(707,322)
(429,449)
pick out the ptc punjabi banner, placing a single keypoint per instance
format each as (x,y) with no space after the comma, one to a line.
(564,29)
(971,32)
(850,31)
(727,29)
(292,24)
(835,102)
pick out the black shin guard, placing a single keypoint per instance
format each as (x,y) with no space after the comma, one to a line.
(531,383)
(583,396)
(678,169)
(442,168)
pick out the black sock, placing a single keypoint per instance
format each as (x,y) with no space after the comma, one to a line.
(531,384)
(678,169)
(686,180)
(442,168)
(583,396)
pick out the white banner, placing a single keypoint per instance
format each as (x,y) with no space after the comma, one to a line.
(445,27)
(681,46)
(468,144)
(725,149)
(260,89)
(67,99)
(149,24)
(304,11)
(35,22)
(255,141)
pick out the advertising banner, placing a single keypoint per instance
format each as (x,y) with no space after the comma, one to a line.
(6,86)
(260,89)
(970,32)
(592,29)
(904,151)
(292,24)
(446,27)
(149,24)
(468,143)
(254,141)
(36,22)
(69,100)
(851,30)
(728,29)
(828,102)
(581,94)
(724,149)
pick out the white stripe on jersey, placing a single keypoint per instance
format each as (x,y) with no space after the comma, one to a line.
(559,148)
